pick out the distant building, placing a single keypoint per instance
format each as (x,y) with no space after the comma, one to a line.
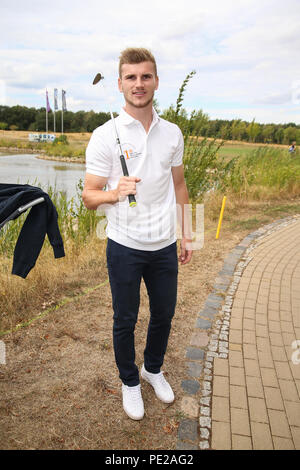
(41,137)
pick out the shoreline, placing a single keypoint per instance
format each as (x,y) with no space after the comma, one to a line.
(43,157)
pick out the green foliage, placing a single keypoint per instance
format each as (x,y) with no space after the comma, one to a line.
(156,105)
(32,119)
(253,130)
(180,118)
(267,168)
(291,134)
(203,169)
(61,139)
(181,92)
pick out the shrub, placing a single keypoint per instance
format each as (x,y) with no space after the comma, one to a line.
(203,169)
(263,172)
(61,139)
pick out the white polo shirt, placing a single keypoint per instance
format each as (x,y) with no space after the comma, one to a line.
(151,224)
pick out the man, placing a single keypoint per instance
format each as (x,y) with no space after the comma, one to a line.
(292,148)
(141,239)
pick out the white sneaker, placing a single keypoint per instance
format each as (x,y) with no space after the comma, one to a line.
(133,402)
(161,387)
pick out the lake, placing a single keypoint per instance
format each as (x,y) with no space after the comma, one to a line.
(28,169)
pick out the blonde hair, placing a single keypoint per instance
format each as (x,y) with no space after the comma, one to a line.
(136,55)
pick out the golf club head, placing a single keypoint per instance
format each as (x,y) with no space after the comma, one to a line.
(97,78)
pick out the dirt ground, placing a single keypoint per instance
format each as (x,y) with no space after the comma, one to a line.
(60,388)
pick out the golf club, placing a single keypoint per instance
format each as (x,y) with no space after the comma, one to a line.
(132,201)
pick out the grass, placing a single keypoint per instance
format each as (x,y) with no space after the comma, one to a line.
(62,389)
(229,151)
(264,174)
(282,209)
(248,224)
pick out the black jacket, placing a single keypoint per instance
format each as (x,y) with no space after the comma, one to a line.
(41,219)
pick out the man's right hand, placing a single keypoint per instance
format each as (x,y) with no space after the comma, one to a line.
(126,186)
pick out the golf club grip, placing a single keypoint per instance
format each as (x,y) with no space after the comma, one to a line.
(132,201)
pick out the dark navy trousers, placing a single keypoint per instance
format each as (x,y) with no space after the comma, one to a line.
(126,268)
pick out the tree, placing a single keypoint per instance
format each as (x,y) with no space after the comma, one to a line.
(279,135)
(290,134)
(238,128)
(156,106)
(253,129)
(198,119)
(225,131)
(268,133)
(180,118)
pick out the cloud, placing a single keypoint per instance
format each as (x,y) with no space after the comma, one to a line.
(276,98)
(245,53)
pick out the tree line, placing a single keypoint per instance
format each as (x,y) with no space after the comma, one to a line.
(197,122)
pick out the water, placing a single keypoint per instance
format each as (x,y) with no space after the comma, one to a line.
(28,169)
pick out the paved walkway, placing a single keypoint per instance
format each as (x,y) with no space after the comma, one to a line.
(243,390)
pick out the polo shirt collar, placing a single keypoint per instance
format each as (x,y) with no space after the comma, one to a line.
(126,119)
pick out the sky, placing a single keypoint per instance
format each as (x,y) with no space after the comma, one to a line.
(246,54)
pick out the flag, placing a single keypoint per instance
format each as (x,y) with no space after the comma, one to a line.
(55,99)
(47,103)
(63,99)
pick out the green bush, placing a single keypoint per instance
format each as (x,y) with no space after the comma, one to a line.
(61,139)
(268,168)
(204,170)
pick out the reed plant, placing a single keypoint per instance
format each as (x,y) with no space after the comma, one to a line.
(204,168)
(264,173)
(76,223)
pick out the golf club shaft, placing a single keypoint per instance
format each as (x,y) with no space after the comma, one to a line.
(132,201)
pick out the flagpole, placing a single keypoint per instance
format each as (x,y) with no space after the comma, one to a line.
(46,114)
(62,112)
(54,114)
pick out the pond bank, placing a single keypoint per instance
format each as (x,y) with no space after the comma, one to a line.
(43,156)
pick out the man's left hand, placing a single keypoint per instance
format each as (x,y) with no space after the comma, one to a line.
(185,251)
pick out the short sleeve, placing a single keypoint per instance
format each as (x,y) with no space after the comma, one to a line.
(178,154)
(98,155)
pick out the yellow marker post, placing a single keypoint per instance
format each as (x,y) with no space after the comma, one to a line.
(221,218)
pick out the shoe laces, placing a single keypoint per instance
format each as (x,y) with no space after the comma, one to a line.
(135,393)
(161,379)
